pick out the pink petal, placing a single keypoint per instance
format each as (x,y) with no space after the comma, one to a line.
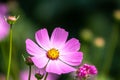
(73,58)
(52,76)
(25,73)
(42,38)
(58,67)
(33,49)
(72,45)
(4,28)
(3,9)
(59,37)
(40,61)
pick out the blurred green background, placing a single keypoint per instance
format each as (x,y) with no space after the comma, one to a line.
(96,23)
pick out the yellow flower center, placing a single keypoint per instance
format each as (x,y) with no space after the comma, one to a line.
(53,54)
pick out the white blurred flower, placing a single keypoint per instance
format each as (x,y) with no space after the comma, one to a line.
(116,14)
(99,42)
(86,34)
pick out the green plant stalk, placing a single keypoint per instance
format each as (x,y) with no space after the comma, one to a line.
(46,76)
(111,48)
(3,52)
(29,72)
(10,53)
(84,78)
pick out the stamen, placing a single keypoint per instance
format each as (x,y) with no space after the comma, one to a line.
(53,54)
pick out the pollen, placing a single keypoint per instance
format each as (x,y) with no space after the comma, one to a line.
(53,54)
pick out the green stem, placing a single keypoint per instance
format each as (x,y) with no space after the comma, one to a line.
(3,52)
(46,76)
(29,72)
(10,54)
(111,48)
(84,78)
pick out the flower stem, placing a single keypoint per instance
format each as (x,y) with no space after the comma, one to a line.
(111,49)
(46,76)
(10,54)
(29,72)
(84,78)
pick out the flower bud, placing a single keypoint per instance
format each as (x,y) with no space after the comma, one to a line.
(86,71)
(29,61)
(12,19)
(39,76)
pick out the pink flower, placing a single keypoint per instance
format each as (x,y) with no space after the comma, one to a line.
(3,9)
(86,71)
(4,28)
(12,19)
(2,77)
(24,76)
(55,54)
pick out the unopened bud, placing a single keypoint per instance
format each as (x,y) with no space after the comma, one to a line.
(29,61)
(86,71)
(39,76)
(12,19)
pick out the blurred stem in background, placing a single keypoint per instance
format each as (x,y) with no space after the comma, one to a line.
(4,55)
(98,50)
(111,49)
(46,76)
(3,52)
(29,72)
(10,53)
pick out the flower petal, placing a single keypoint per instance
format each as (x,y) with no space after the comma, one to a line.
(4,27)
(73,58)
(58,67)
(72,45)
(33,49)
(40,61)
(42,38)
(59,37)
(52,76)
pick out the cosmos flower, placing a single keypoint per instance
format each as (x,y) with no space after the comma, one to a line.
(86,71)
(4,28)
(24,75)
(2,77)
(3,9)
(55,54)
